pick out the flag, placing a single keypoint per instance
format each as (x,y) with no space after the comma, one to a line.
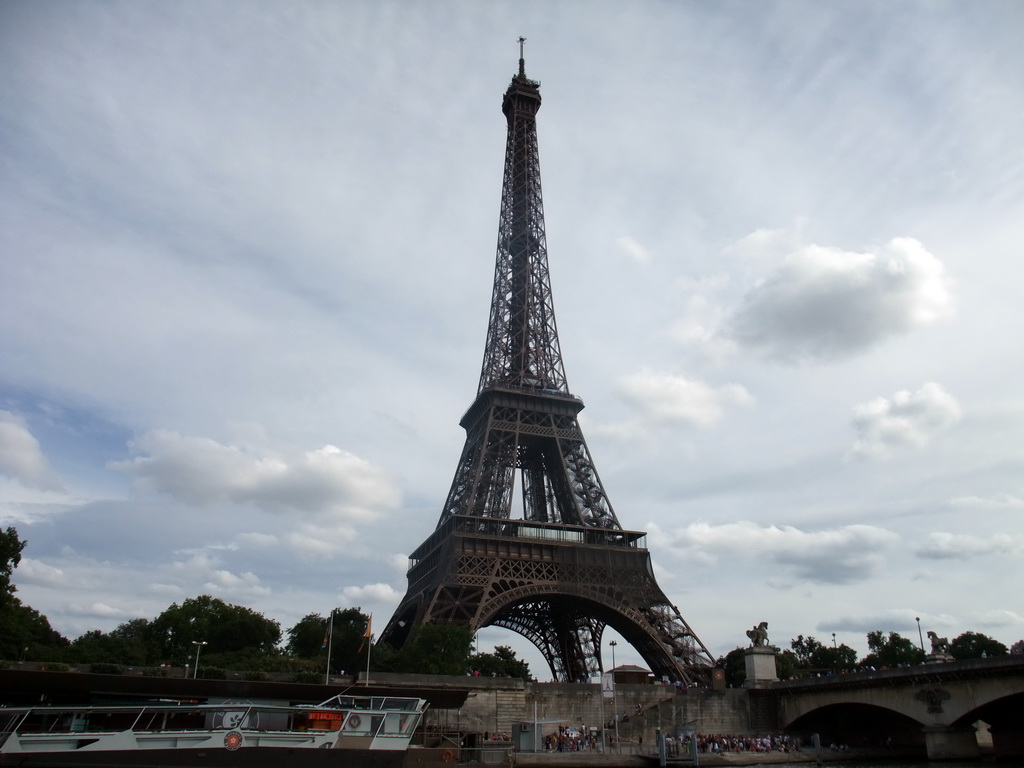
(330,630)
(368,634)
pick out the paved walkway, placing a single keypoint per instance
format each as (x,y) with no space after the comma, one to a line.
(579,759)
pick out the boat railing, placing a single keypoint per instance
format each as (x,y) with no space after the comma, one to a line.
(10,719)
(390,717)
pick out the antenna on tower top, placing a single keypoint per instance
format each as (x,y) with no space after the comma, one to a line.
(522,62)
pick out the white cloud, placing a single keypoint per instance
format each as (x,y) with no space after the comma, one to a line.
(196,563)
(399,562)
(173,591)
(633,249)
(949,546)
(698,326)
(236,585)
(21,457)
(371,593)
(906,420)
(997,501)
(318,541)
(902,620)
(766,247)
(203,471)
(1001,619)
(32,571)
(663,398)
(837,556)
(825,303)
(104,611)
(259,539)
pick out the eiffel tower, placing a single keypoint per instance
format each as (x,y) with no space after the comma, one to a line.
(566,569)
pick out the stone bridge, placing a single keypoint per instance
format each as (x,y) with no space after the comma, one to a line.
(947,704)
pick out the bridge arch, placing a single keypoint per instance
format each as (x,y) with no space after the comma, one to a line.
(858,724)
(945,700)
(1003,716)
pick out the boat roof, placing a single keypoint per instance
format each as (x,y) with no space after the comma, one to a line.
(29,688)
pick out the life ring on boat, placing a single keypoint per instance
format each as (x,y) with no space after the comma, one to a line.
(354,721)
(447,756)
(232,740)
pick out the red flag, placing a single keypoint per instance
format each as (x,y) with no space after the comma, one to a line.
(367,634)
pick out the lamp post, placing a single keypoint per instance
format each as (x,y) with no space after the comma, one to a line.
(919,635)
(199,646)
(834,646)
(615,700)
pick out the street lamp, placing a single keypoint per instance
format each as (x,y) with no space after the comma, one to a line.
(615,700)
(834,641)
(199,646)
(919,635)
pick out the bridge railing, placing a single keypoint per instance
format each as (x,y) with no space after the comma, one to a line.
(932,671)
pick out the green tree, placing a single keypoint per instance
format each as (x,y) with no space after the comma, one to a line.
(350,643)
(786,665)
(735,667)
(815,657)
(807,651)
(893,650)
(24,632)
(974,645)
(502,663)
(231,630)
(844,658)
(94,647)
(512,664)
(130,643)
(135,642)
(432,649)
(10,555)
(307,637)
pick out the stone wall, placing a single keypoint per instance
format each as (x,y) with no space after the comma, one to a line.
(500,705)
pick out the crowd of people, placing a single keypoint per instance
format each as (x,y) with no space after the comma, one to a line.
(570,740)
(573,740)
(718,743)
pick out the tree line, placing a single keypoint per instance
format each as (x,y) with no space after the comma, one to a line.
(807,656)
(238,638)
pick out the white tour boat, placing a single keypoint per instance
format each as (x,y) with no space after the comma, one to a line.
(349,731)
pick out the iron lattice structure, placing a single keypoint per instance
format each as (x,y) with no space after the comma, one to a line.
(565,569)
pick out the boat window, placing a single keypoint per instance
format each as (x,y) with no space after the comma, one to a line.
(392,724)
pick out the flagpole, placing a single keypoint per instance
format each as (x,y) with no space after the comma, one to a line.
(369,648)
(330,641)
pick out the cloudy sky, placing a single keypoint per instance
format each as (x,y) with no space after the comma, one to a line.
(246,252)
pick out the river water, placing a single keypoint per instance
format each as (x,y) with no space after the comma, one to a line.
(878,764)
(894,764)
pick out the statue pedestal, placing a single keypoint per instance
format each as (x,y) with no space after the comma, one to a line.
(760,664)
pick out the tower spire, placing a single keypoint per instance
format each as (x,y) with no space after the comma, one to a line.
(522,61)
(522,350)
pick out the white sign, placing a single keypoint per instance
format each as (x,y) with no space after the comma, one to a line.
(608,685)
